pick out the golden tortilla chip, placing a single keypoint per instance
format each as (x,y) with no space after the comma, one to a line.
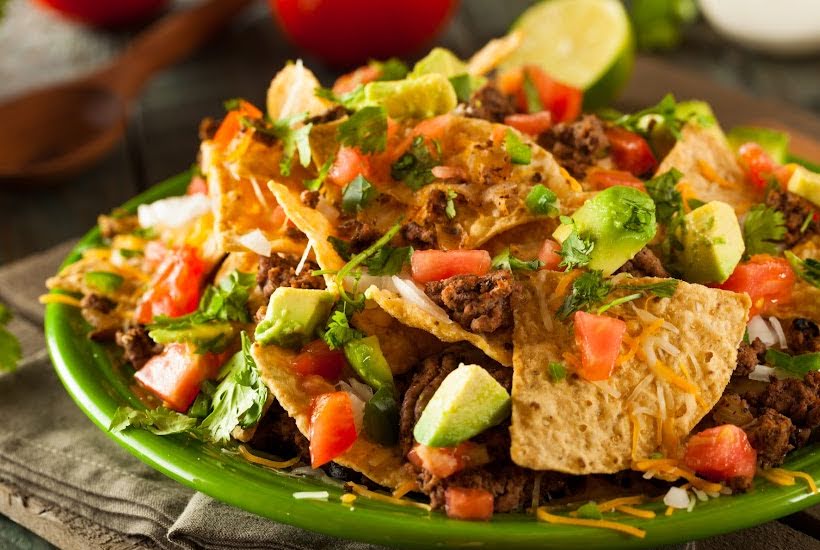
(384,465)
(72,279)
(709,167)
(805,299)
(293,91)
(580,427)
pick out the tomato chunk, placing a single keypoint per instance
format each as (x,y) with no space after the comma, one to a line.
(443,462)
(349,81)
(232,123)
(630,151)
(549,255)
(332,427)
(467,503)
(176,374)
(318,358)
(532,124)
(721,453)
(603,179)
(599,338)
(198,186)
(435,265)
(176,287)
(757,164)
(766,279)
(563,102)
(349,163)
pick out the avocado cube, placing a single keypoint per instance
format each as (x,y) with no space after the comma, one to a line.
(773,142)
(712,243)
(619,221)
(366,358)
(422,97)
(696,111)
(440,61)
(293,315)
(467,402)
(806,184)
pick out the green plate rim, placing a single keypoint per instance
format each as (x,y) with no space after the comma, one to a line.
(85,369)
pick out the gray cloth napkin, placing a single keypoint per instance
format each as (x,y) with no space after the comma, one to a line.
(50,452)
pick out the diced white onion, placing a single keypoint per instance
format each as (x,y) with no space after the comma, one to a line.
(304,258)
(607,388)
(778,330)
(255,241)
(759,328)
(639,388)
(258,192)
(311,495)
(413,294)
(668,347)
(676,497)
(649,349)
(326,208)
(700,494)
(365,281)
(661,399)
(358,410)
(761,373)
(173,211)
(359,389)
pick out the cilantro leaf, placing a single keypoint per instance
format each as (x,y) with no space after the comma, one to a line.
(391,69)
(507,261)
(808,269)
(450,206)
(357,302)
(358,194)
(414,167)
(587,290)
(575,250)
(542,201)
(662,188)
(762,229)
(10,351)
(520,152)
(388,260)
(239,398)
(316,183)
(338,331)
(666,111)
(557,371)
(365,129)
(293,139)
(531,94)
(341,247)
(159,421)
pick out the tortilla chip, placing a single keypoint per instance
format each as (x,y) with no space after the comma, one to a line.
(384,465)
(72,279)
(580,427)
(497,345)
(293,91)
(524,241)
(702,152)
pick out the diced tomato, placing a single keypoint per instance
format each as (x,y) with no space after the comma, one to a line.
(231,124)
(318,358)
(757,164)
(349,81)
(603,179)
(176,374)
(766,279)
(198,186)
(278,216)
(561,101)
(443,462)
(435,265)
(599,338)
(433,128)
(549,255)
(721,453)
(532,124)
(630,151)
(332,427)
(176,287)
(468,503)
(349,163)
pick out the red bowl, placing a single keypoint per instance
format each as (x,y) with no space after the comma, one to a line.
(106,13)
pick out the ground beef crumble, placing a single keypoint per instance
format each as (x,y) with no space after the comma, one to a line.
(478,303)
(359,234)
(420,236)
(644,264)
(802,335)
(795,211)
(488,103)
(98,311)
(137,346)
(749,356)
(280,270)
(576,145)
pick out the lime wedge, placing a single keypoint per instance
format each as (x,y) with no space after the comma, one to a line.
(587,44)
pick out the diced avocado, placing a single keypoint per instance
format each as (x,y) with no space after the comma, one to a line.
(365,357)
(293,315)
(440,61)
(423,97)
(211,336)
(466,403)
(696,111)
(805,183)
(773,142)
(619,221)
(712,243)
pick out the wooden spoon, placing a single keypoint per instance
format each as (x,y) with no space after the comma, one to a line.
(57,131)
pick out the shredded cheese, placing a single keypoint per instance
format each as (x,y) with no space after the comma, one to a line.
(669,511)
(275,464)
(635,434)
(59,299)
(360,490)
(777,479)
(566,280)
(708,171)
(609,505)
(665,373)
(686,194)
(792,474)
(258,192)
(637,512)
(404,488)
(573,183)
(543,515)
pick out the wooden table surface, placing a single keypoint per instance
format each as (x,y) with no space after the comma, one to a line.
(162,135)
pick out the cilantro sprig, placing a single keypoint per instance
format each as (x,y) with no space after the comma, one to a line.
(338,331)
(414,168)
(575,250)
(591,289)
(666,112)
(294,139)
(663,191)
(159,421)
(358,194)
(763,228)
(505,260)
(366,129)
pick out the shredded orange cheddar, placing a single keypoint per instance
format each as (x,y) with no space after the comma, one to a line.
(637,512)
(609,505)
(565,281)
(275,464)
(363,491)
(573,183)
(669,511)
(404,488)
(543,515)
(635,434)
(708,171)
(59,299)
(802,475)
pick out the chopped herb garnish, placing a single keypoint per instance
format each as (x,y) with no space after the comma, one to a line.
(366,129)
(557,371)
(507,261)
(589,510)
(450,208)
(338,331)
(147,233)
(763,228)
(664,193)
(798,365)
(341,247)
(587,290)
(104,282)
(575,250)
(293,139)
(805,225)
(10,351)
(391,69)
(127,253)
(232,104)
(542,201)
(666,111)
(531,94)
(414,168)
(388,260)
(358,194)
(808,269)
(618,301)
(357,302)
(159,421)
(316,183)
(520,152)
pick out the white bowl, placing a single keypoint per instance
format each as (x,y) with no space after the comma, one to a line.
(784,27)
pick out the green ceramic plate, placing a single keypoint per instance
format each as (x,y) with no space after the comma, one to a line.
(98,389)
